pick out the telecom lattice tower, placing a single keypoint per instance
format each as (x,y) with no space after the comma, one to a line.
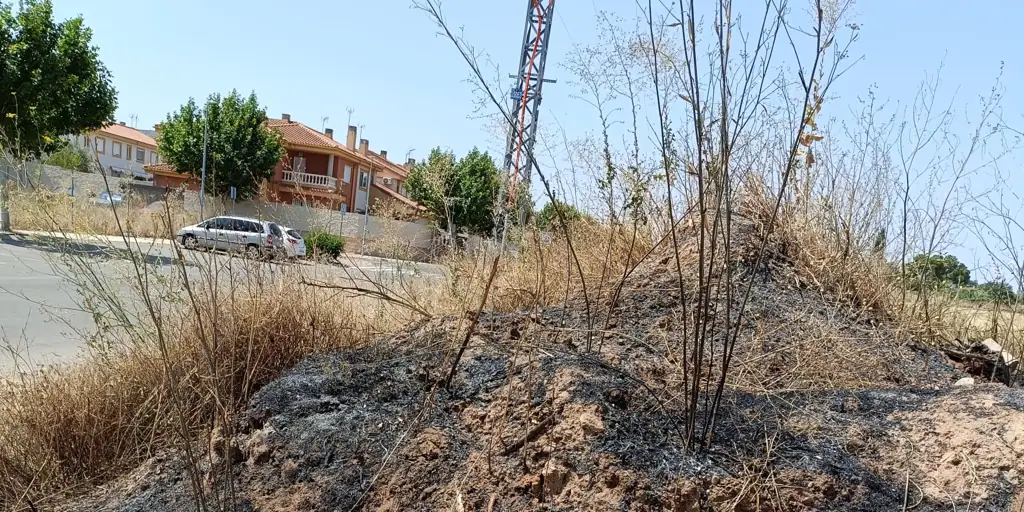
(526,96)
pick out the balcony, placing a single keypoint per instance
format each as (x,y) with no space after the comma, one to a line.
(303,179)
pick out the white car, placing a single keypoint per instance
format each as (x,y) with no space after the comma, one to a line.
(294,245)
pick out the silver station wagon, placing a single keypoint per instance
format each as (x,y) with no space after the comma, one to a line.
(255,238)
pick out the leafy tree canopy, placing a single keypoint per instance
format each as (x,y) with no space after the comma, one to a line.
(241,151)
(459,194)
(547,218)
(52,82)
(934,270)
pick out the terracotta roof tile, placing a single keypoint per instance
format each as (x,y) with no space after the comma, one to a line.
(297,133)
(400,197)
(384,162)
(161,168)
(127,132)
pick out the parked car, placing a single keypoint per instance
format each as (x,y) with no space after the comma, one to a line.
(108,199)
(295,246)
(256,238)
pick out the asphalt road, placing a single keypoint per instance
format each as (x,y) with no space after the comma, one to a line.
(42,319)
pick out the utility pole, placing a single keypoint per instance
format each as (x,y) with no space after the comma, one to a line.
(5,196)
(366,210)
(202,182)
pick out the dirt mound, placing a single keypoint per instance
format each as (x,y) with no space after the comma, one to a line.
(366,430)
(825,410)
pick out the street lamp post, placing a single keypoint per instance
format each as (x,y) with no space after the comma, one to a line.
(202,182)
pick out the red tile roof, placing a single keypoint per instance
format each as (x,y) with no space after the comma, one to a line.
(297,133)
(400,197)
(294,132)
(127,132)
(393,167)
(164,168)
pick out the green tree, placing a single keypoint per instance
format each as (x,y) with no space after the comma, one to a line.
(547,218)
(933,270)
(459,194)
(241,151)
(998,291)
(52,82)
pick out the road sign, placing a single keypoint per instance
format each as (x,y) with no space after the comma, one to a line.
(517,94)
(234,193)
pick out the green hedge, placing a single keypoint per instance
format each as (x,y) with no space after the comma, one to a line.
(325,244)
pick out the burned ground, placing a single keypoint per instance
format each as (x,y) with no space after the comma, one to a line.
(826,410)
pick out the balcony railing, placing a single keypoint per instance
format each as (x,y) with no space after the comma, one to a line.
(310,180)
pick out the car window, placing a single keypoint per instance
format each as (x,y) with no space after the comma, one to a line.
(294,234)
(255,227)
(275,229)
(222,223)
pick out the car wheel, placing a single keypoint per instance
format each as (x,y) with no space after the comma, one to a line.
(190,242)
(253,251)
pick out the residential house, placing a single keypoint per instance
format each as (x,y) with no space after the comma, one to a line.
(120,150)
(319,171)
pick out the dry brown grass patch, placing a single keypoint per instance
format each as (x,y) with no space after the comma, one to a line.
(66,426)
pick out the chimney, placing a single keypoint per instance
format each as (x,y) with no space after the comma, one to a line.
(329,132)
(384,154)
(350,140)
(121,123)
(409,164)
(364,146)
(286,117)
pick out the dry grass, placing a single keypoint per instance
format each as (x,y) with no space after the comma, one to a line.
(63,427)
(212,346)
(826,256)
(43,211)
(543,271)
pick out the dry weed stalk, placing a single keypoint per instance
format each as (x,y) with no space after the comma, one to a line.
(185,356)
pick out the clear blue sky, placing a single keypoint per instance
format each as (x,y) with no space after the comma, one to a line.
(315,58)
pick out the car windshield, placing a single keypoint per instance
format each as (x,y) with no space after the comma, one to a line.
(294,234)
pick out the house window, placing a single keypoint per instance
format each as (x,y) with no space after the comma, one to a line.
(152,157)
(101,145)
(300,202)
(128,152)
(299,163)
(115,149)
(347,177)
(140,155)
(364,179)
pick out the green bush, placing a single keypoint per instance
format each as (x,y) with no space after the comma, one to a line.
(70,157)
(993,291)
(547,218)
(325,244)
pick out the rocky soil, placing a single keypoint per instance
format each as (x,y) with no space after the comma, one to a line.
(826,410)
